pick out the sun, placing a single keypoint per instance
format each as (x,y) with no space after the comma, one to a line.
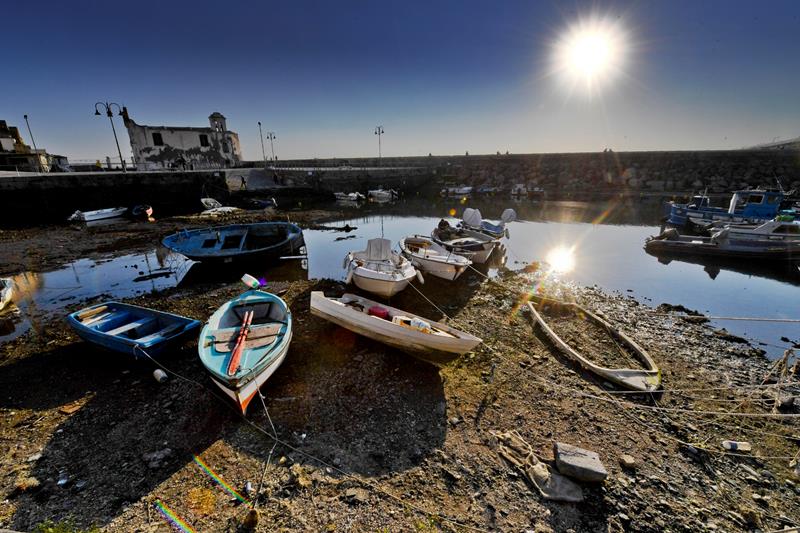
(590,54)
(561,259)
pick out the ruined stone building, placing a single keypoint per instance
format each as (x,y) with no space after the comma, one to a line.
(16,156)
(159,147)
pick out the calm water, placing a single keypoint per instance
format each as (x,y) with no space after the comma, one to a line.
(587,243)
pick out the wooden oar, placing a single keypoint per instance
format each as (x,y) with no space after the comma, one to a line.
(83,315)
(236,356)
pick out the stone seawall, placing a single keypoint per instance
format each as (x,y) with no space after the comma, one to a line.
(604,172)
(53,197)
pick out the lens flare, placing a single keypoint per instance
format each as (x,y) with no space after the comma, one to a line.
(561,259)
(173,519)
(213,475)
(452,212)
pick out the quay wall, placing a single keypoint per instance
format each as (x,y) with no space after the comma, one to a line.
(719,171)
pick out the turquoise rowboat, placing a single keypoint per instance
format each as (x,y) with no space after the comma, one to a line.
(244,342)
(130,329)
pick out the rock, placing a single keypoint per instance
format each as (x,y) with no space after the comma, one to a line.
(578,463)
(34,457)
(749,470)
(155,459)
(299,475)
(357,495)
(627,461)
(27,484)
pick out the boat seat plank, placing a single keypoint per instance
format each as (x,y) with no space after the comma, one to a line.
(97,318)
(131,325)
(256,332)
(249,343)
(165,332)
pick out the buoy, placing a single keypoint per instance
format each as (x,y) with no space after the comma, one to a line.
(420,278)
(250,281)
(160,375)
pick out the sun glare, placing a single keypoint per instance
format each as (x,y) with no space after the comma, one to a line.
(590,54)
(561,259)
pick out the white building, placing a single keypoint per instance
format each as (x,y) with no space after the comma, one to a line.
(158,147)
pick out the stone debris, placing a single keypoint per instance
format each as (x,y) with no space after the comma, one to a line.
(628,461)
(300,476)
(552,486)
(578,463)
(355,495)
(156,459)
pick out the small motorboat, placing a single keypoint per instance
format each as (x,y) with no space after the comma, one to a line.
(722,244)
(263,241)
(519,190)
(353,197)
(433,258)
(210,203)
(130,329)
(646,379)
(6,292)
(459,190)
(478,246)
(471,219)
(382,195)
(100,214)
(141,212)
(428,340)
(244,342)
(379,269)
(781,229)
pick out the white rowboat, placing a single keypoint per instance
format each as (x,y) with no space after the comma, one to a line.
(100,214)
(437,343)
(433,258)
(379,270)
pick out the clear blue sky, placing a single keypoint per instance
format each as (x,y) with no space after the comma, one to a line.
(442,77)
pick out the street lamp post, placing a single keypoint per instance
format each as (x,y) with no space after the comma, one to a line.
(271,137)
(379,131)
(263,153)
(35,150)
(110,115)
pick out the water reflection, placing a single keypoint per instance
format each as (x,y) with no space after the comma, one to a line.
(561,259)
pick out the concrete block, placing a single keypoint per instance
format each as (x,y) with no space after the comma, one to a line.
(578,463)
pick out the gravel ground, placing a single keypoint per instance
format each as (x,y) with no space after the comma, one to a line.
(372,439)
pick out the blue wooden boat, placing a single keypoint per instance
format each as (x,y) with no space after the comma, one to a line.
(126,328)
(262,241)
(264,347)
(746,207)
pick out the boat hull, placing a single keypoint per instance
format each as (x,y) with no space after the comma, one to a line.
(752,250)
(434,349)
(6,292)
(382,287)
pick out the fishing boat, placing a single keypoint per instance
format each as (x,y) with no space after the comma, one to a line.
(379,269)
(433,258)
(263,241)
(751,206)
(382,195)
(722,244)
(471,219)
(646,379)
(100,214)
(6,292)
(428,340)
(244,342)
(129,329)
(464,241)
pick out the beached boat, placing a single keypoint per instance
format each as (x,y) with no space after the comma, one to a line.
(379,269)
(210,203)
(478,246)
(130,329)
(99,214)
(722,244)
(472,219)
(382,195)
(646,379)
(349,196)
(6,292)
(264,241)
(431,341)
(433,258)
(244,342)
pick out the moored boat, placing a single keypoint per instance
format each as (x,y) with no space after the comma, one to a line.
(432,258)
(646,379)
(472,219)
(428,340)
(464,241)
(349,197)
(721,244)
(6,292)
(751,206)
(244,342)
(382,195)
(379,269)
(99,214)
(264,241)
(130,329)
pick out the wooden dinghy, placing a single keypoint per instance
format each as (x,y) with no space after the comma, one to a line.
(244,342)
(647,379)
(430,341)
(125,328)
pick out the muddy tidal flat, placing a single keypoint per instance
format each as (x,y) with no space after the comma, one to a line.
(355,436)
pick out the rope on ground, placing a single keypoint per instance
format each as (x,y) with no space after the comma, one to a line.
(288,446)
